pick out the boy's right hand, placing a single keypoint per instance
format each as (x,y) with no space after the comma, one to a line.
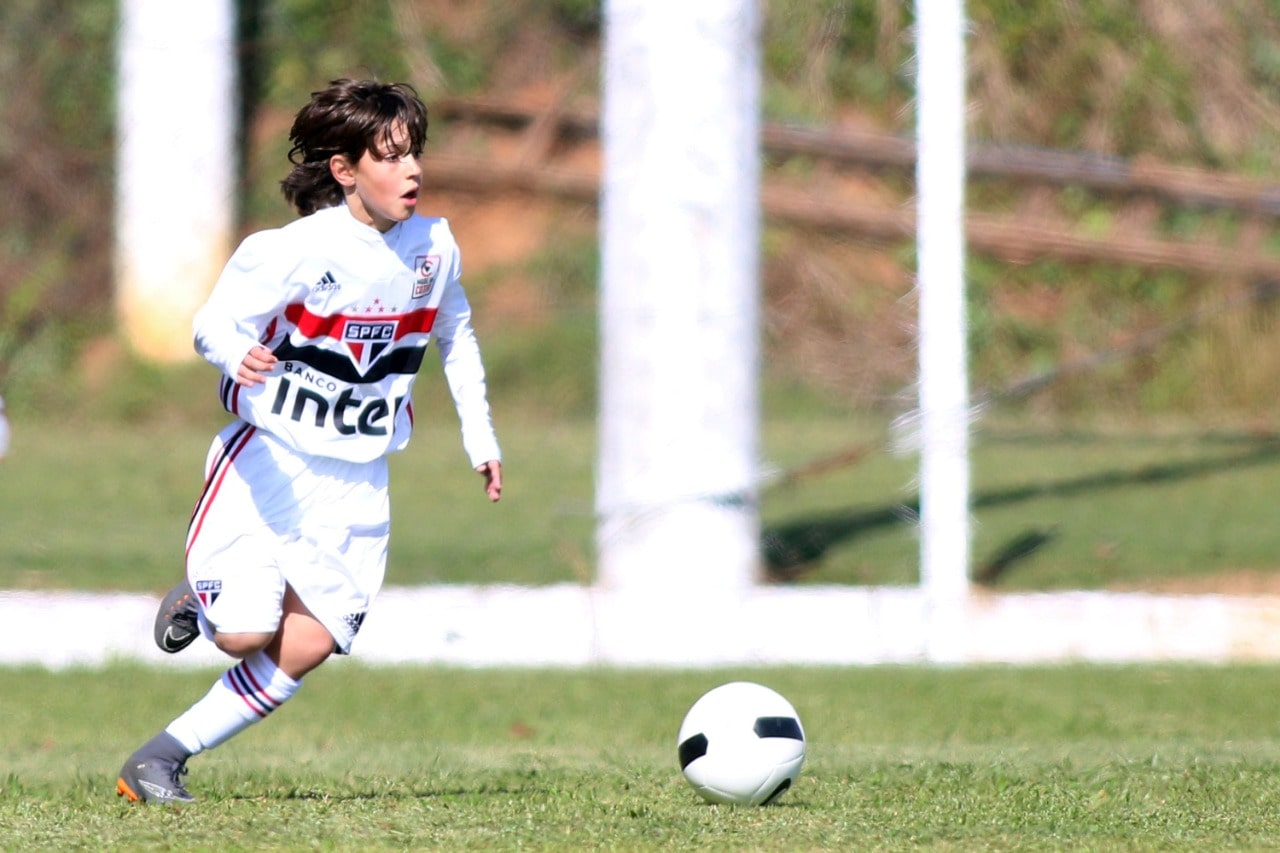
(257,363)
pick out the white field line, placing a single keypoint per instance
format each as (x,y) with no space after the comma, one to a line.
(569,625)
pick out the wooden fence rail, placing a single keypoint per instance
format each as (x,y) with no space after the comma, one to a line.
(1018,241)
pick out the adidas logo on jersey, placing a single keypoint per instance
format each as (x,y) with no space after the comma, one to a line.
(326,283)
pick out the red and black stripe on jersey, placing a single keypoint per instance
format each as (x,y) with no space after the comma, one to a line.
(327,349)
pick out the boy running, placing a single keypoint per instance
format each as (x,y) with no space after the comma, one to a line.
(319,329)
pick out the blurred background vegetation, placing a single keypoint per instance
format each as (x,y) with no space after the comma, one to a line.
(1148,459)
(1192,84)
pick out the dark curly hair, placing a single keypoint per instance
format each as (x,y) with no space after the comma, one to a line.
(350,117)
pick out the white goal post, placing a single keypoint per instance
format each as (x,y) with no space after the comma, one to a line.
(678,418)
(943,379)
(175,167)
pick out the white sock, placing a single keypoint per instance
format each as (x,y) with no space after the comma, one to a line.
(245,694)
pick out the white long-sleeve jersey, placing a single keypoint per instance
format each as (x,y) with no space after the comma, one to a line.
(349,312)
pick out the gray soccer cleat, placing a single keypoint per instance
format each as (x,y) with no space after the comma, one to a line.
(153,779)
(176,624)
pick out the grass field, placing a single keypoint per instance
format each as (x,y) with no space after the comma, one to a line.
(105,505)
(1072,757)
(1088,758)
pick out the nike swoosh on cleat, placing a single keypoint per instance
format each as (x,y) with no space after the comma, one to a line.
(158,791)
(173,640)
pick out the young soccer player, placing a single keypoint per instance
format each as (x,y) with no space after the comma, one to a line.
(318,328)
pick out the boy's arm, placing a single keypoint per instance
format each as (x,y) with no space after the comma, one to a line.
(230,328)
(464,373)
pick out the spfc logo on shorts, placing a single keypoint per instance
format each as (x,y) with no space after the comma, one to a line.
(208,591)
(426,267)
(366,339)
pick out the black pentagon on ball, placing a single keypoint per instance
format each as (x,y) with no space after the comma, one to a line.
(788,727)
(692,749)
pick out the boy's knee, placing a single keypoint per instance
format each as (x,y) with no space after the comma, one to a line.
(241,645)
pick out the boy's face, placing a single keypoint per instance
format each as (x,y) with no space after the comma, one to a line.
(382,187)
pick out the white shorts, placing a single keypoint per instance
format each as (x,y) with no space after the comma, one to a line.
(270,516)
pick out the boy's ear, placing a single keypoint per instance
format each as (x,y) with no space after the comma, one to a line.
(343,171)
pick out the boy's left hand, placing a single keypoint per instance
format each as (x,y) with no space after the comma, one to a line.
(492,473)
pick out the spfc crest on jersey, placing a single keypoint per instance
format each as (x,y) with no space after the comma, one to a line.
(366,339)
(425,267)
(208,591)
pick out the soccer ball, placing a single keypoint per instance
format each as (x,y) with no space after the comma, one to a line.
(741,744)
